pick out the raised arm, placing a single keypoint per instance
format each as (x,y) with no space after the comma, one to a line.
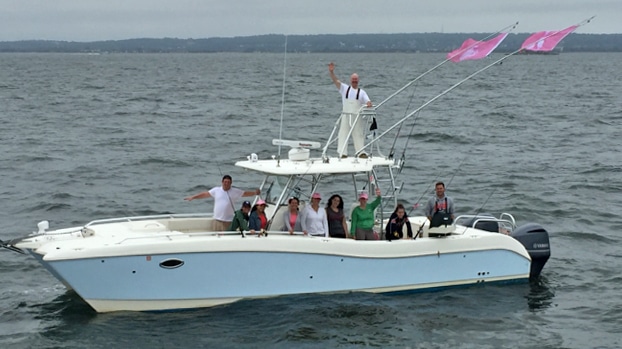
(252,192)
(331,70)
(376,201)
(201,195)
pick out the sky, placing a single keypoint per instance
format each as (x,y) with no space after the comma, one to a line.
(90,20)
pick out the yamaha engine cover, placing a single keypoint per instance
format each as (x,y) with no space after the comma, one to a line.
(536,240)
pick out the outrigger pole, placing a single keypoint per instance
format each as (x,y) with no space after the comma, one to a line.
(508,28)
(459,52)
(461,82)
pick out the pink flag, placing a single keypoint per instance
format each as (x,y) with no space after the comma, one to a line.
(546,40)
(473,49)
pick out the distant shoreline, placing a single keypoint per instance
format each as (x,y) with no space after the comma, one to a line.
(328,43)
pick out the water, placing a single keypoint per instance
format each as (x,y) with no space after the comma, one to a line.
(86,137)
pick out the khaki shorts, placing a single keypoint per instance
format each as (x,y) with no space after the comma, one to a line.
(220,225)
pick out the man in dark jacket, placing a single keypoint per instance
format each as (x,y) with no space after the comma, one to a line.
(240,219)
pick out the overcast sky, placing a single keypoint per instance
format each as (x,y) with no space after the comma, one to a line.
(91,20)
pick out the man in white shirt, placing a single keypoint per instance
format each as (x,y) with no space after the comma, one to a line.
(353,98)
(225,198)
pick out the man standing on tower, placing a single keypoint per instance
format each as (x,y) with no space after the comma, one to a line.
(353,98)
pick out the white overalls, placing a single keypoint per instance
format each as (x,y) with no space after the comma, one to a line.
(351,108)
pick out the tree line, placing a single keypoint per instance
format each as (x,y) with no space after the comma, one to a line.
(416,42)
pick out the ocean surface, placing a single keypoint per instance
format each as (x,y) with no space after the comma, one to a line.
(86,137)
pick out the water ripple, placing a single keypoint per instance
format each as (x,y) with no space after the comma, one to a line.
(130,134)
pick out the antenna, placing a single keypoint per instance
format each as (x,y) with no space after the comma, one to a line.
(283,94)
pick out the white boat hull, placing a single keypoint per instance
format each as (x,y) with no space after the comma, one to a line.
(203,270)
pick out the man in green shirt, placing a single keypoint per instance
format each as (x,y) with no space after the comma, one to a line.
(362,227)
(240,218)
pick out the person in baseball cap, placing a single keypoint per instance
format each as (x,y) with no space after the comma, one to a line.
(240,219)
(258,221)
(313,218)
(362,227)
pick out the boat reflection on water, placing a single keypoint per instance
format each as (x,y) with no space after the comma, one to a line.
(540,294)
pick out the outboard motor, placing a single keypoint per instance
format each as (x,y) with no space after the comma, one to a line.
(536,240)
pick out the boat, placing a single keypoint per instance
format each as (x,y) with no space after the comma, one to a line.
(166,262)
(174,261)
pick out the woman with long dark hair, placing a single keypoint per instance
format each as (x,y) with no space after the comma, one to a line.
(337,226)
(258,221)
(395,226)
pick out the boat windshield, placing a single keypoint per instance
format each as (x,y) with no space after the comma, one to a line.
(279,189)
